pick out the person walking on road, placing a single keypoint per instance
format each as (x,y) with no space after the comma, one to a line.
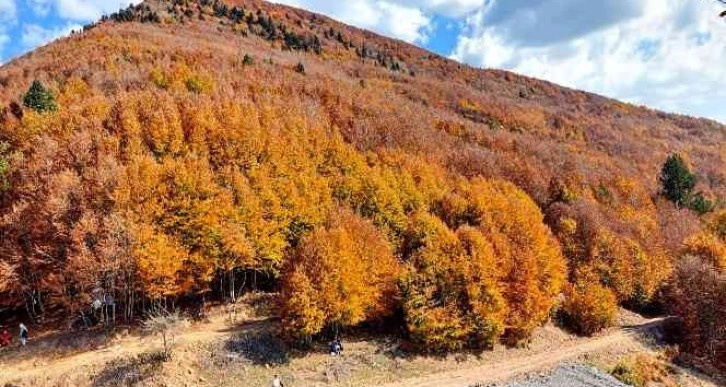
(336,347)
(276,382)
(23,334)
(5,338)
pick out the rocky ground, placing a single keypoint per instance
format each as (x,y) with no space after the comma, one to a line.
(569,375)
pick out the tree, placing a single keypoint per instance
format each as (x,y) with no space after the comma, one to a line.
(452,292)
(677,181)
(697,296)
(4,167)
(300,68)
(339,276)
(527,251)
(589,306)
(39,98)
(164,323)
(248,60)
(701,204)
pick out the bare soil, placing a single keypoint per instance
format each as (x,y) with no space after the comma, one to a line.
(229,350)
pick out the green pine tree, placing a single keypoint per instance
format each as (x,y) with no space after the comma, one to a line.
(40,99)
(677,181)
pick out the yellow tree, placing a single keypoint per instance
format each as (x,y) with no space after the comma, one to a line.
(352,271)
(530,256)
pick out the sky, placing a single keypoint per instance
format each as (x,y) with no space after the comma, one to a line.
(666,54)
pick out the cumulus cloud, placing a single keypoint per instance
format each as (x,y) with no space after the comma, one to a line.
(390,18)
(8,11)
(39,7)
(664,53)
(88,10)
(34,35)
(408,20)
(8,18)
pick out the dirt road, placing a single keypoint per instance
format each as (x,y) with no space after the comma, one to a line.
(523,362)
(530,362)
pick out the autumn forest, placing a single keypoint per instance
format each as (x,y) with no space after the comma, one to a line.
(182,150)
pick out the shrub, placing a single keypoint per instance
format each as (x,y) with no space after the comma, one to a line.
(701,204)
(697,296)
(642,370)
(589,306)
(199,85)
(708,247)
(248,60)
(165,324)
(300,68)
(40,99)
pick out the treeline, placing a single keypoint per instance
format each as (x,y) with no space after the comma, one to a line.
(176,191)
(166,192)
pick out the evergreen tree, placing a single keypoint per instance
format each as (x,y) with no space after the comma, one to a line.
(677,180)
(300,68)
(39,98)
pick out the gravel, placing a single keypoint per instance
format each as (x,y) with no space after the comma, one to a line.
(569,375)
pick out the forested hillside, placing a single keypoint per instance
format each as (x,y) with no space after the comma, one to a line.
(181,148)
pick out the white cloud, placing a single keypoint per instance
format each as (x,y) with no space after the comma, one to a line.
(8,12)
(88,10)
(39,7)
(664,53)
(448,8)
(405,22)
(8,18)
(34,35)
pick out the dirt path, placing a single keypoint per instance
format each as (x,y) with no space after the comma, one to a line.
(216,328)
(530,362)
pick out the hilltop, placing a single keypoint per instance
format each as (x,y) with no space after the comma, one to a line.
(186,150)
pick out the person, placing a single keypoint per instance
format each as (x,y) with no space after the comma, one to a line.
(336,348)
(5,338)
(23,334)
(276,382)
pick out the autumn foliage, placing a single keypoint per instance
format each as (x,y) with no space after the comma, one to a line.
(178,149)
(341,274)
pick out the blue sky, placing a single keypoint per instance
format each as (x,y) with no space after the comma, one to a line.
(667,54)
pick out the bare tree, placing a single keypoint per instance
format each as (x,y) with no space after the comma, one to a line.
(165,324)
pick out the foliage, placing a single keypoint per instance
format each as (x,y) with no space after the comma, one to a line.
(340,276)
(39,98)
(248,60)
(589,306)
(698,297)
(707,246)
(168,172)
(641,370)
(4,167)
(676,180)
(498,275)
(701,204)
(300,68)
(451,292)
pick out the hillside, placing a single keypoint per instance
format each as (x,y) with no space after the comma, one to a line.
(204,148)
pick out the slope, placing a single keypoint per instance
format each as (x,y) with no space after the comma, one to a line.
(198,143)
